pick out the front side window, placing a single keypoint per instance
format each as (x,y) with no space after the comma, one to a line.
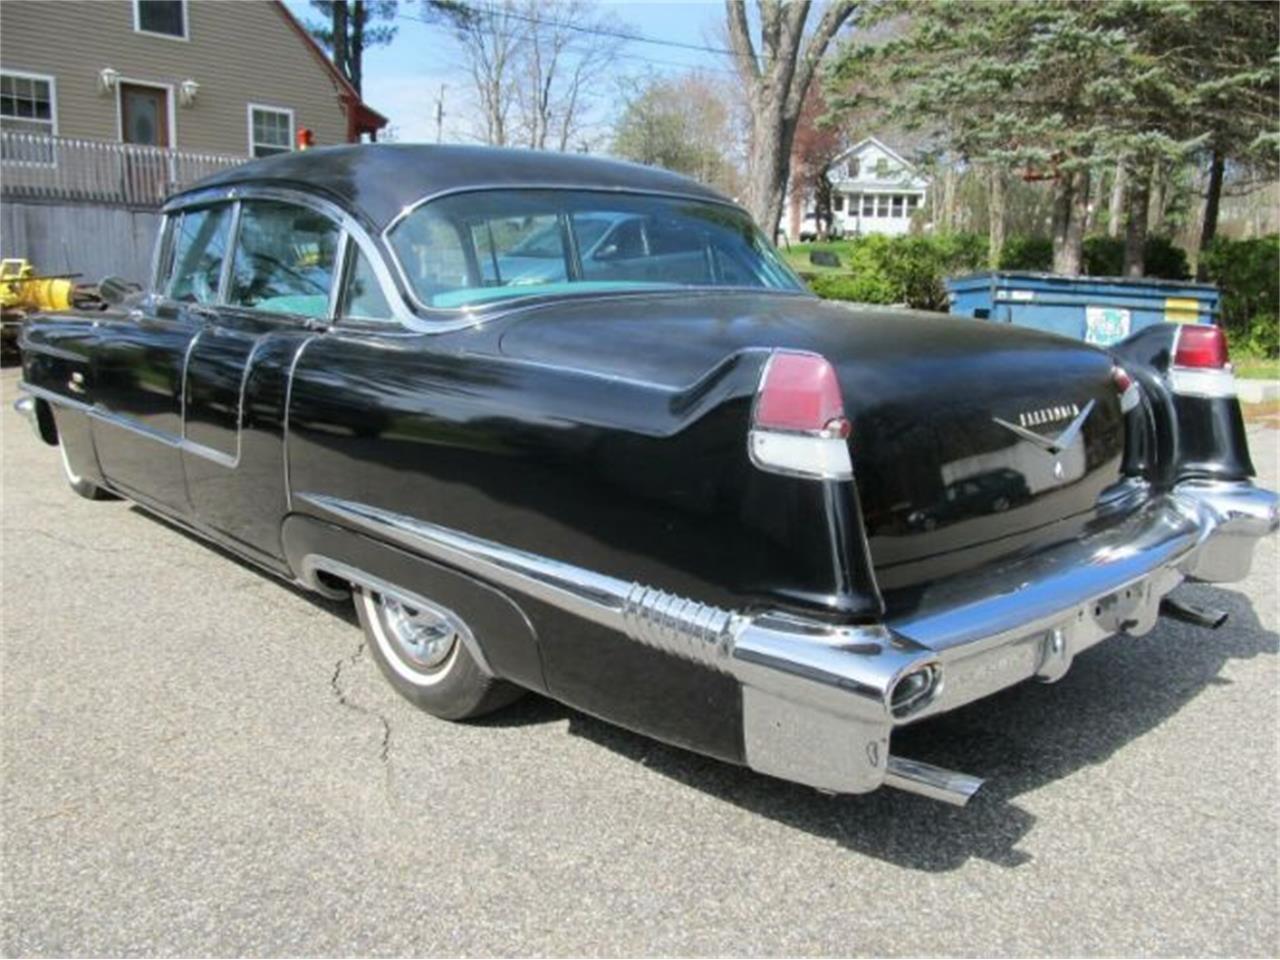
(26,107)
(284,259)
(165,17)
(490,246)
(270,131)
(199,247)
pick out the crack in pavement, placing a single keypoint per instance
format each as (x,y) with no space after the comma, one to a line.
(335,686)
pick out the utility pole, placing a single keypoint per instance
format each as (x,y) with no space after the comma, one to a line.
(440,115)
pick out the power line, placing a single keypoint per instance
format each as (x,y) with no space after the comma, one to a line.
(600,31)
(728,71)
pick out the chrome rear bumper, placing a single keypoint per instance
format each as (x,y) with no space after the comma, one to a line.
(982,633)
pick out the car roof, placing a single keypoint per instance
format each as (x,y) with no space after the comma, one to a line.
(377,181)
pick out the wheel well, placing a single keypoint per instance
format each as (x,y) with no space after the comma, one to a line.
(45,422)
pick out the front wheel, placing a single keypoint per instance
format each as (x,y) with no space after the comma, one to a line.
(423,654)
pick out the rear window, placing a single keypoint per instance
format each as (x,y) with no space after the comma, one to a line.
(492,246)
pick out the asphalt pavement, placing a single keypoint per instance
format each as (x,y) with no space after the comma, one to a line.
(198,759)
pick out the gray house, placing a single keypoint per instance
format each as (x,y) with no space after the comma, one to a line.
(107,107)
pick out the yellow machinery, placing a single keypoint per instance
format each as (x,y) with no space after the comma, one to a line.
(21,289)
(22,292)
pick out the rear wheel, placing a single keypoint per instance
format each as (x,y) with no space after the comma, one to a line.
(423,653)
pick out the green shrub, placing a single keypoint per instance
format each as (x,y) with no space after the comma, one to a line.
(1027,253)
(907,269)
(1245,271)
(860,288)
(1259,337)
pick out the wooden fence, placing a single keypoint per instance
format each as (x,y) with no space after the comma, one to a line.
(62,169)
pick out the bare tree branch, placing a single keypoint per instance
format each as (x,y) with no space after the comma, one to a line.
(740,37)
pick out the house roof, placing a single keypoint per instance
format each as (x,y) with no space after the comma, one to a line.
(875,141)
(376,181)
(361,118)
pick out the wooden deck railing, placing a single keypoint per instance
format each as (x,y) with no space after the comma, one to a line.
(51,169)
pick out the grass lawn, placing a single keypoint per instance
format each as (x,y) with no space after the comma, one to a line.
(1256,368)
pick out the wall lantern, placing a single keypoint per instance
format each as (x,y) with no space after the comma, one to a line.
(306,138)
(107,79)
(187,91)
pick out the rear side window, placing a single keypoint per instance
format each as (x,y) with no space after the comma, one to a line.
(199,248)
(284,259)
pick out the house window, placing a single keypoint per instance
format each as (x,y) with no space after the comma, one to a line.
(897,206)
(882,205)
(270,131)
(882,167)
(27,106)
(868,204)
(852,168)
(837,203)
(167,18)
(913,201)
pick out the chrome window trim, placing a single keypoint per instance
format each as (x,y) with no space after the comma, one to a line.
(471,316)
(163,238)
(229,261)
(339,271)
(345,221)
(407,311)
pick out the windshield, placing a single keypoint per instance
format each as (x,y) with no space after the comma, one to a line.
(476,248)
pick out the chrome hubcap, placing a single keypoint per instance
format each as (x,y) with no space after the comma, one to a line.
(423,638)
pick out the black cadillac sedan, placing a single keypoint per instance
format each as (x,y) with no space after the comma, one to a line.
(571,425)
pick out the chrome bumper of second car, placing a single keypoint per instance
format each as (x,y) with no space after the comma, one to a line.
(26,405)
(820,701)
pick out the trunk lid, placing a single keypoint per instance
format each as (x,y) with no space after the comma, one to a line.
(944,484)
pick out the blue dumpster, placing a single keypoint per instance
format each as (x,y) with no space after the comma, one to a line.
(1101,310)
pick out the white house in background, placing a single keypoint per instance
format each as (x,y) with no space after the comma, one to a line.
(874,189)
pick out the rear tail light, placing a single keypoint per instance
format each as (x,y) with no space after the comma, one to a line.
(1127,387)
(1200,365)
(798,426)
(1200,347)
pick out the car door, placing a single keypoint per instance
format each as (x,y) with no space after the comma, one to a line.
(277,296)
(139,360)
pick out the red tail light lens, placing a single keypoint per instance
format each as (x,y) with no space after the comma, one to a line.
(1200,347)
(798,427)
(800,393)
(1126,386)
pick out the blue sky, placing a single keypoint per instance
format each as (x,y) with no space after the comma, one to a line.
(403,80)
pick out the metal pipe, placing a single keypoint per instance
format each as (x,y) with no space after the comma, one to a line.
(930,781)
(1192,613)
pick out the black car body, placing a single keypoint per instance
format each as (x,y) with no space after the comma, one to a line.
(655,478)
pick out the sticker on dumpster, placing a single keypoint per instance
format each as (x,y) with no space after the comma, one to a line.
(1181,310)
(1105,325)
(1023,295)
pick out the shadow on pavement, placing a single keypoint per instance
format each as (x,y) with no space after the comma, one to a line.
(1020,740)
